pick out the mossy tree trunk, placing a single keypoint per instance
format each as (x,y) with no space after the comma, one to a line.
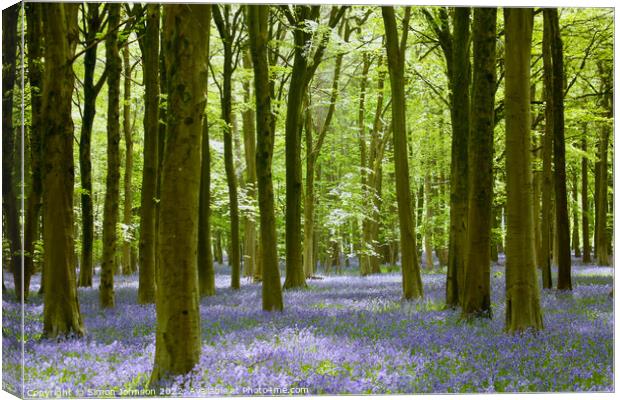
(128,252)
(477,276)
(149,45)
(412,282)
(61,310)
(112,193)
(258,26)
(522,293)
(178,343)
(206,272)
(601,240)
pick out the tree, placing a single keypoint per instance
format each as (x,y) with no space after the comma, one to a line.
(35,75)
(304,67)
(206,273)
(258,24)
(112,193)
(585,221)
(555,92)
(229,27)
(601,242)
(477,274)
(61,310)
(129,257)
(177,346)
(522,295)
(412,282)
(9,186)
(148,39)
(93,23)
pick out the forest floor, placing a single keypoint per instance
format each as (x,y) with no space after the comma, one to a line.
(344,334)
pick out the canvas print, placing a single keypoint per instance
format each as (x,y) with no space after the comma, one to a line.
(212,200)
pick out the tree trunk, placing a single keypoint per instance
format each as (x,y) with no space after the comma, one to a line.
(412,282)
(111,204)
(575,239)
(585,208)
(477,276)
(428,231)
(34,35)
(178,343)
(206,271)
(559,150)
(61,310)
(601,241)
(127,131)
(547,177)
(149,45)
(258,25)
(309,200)
(249,146)
(227,34)
(459,85)
(9,185)
(522,295)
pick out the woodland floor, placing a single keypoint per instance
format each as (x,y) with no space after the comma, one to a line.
(344,334)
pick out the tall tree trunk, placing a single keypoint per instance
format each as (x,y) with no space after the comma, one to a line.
(412,282)
(249,146)
(477,276)
(575,239)
(601,241)
(522,295)
(227,33)
(546,243)
(61,310)
(459,85)
(365,245)
(258,24)
(585,208)
(9,185)
(559,150)
(127,131)
(149,45)
(206,271)
(111,203)
(91,90)
(34,34)
(309,199)
(178,343)
(428,218)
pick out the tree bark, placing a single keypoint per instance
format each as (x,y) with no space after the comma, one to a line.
(149,45)
(61,310)
(249,145)
(477,276)
(10,182)
(258,24)
(575,238)
(522,294)
(178,343)
(559,150)
(128,253)
(585,208)
(412,282)
(547,173)
(459,79)
(112,193)
(206,271)
(228,33)
(601,241)
(428,231)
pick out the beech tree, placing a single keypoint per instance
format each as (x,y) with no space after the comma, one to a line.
(522,294)
(395,47)
(61,310)
(177,274)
